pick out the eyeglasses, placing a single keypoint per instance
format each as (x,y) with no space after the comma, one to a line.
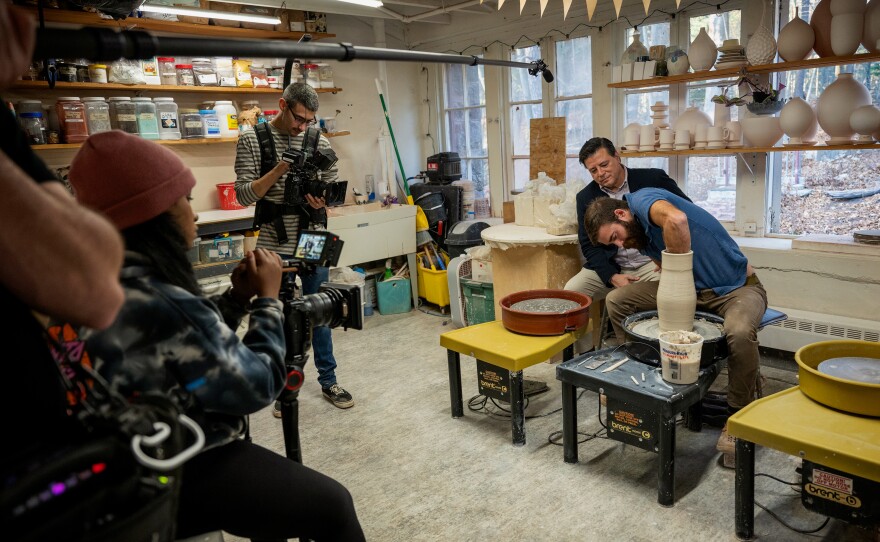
(300,121)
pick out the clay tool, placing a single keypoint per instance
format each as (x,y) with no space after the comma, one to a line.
(597,363)
(643,377)
(616,365)
(636,382)
(439,259)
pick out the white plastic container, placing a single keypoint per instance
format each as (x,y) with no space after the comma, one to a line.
(221,249)
(169,119)
(228,117)
(210,124)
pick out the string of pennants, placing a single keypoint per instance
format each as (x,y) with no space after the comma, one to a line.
(591,6)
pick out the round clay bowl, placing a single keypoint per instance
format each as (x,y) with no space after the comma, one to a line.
(838,393)
(545,323)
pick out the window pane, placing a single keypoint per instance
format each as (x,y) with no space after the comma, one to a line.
(575,170)
(711,184)
(578,122)
(455,127)
(651,34)
(520,173)
(478,172)
(719,26)
(524,87)
(574,76)
(638,106)
(476,132)
(476,87)
(659,162)
(520,115)
(454,85)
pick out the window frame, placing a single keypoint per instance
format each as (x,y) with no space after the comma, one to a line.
(466,159)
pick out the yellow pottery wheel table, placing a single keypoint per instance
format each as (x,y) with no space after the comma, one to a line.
(793,423)
(492,343)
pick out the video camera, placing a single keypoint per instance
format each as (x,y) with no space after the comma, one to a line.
(302,179)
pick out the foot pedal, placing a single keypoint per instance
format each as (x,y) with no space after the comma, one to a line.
(534,387)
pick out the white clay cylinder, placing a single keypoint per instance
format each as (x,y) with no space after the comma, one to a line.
(676,294)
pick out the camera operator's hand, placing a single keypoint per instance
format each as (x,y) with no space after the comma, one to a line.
(316,203)
(17,39)
(258,274)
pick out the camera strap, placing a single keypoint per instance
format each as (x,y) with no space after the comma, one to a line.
(268,211)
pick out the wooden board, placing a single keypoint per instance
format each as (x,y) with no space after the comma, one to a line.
(547,148)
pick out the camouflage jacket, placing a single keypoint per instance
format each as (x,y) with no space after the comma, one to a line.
(168,340)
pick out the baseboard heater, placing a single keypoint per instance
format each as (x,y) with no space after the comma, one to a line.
(805,327)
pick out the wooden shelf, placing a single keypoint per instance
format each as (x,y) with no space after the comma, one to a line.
(43,86)
(763,68)
(93,19)
(749,150)
(172,142)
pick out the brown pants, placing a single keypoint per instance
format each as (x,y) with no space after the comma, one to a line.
(742,310)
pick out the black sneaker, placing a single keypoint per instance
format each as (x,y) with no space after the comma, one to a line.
(338,396)
(276,410)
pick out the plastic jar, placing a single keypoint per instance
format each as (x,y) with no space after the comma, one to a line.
(72,119)
(123,114)
(167,70)
(147,120)
(53,127)
(227,116)
(98,73)
(185,76)
(169,124)
(325,73)
(312,76)
(204,72)
(66,72)
(269,115)
(32,124)
(29,106)
(82,73)
(97,115)
(276,76)
(191,124)
(210,124)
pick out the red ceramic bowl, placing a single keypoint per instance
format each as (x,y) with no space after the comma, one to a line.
(545,323)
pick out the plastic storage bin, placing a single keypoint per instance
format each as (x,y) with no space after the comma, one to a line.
(394,296)
(479,301)
(433,287)
(221,249)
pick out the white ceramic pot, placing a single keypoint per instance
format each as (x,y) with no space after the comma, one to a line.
(689,120)
(679,66)
(722,115)
(871,31)
(761,48)
(797,119)
(796,40)
(836,104)
(821,23)
(676,294)
(846,7)
(703,52)
(846,33)
(762,131)
(865,121)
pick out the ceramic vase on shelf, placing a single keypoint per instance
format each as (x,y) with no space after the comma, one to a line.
(761,48)
(635,51)
(865,121)
(722,115)
(796,40)
(676,293)
(677,62)
(836,104)
(689,119)
(821,23)
(703,52)
(847,25)
(871,31)
(797,120)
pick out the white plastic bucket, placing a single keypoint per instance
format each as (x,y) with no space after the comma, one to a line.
(680,356)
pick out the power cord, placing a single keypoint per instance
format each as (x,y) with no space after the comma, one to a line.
(778,518)
(554,437)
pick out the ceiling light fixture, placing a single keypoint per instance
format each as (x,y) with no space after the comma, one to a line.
(368,3)
(226,15)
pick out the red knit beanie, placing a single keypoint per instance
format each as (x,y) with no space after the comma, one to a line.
(128,178)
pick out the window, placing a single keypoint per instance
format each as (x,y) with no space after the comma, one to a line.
(710,181)
(573,99)
(801,181)
(465,111)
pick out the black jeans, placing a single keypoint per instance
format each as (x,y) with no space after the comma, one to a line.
(251,492)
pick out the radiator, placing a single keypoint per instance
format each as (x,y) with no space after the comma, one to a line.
(804,327)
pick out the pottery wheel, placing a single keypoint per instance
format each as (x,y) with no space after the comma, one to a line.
(651,328)
(851,368)
(545,304)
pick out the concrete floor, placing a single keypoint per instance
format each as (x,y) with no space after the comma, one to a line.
(418,474)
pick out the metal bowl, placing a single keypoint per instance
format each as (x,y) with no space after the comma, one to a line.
(545,323)
(842,394)
(647,349)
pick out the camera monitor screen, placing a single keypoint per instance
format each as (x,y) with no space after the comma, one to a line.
(310,247)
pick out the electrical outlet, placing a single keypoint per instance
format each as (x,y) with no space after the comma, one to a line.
(751,227)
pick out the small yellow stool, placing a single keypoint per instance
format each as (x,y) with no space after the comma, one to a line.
(492,343)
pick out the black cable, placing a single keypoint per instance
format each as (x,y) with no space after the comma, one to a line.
(780,480)
(483,401)
(795,529)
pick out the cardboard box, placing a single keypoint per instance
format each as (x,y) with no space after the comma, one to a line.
(223,6)
(638,71)
(258,10)
(626,72)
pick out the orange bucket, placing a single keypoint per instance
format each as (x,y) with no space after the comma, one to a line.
(228,201)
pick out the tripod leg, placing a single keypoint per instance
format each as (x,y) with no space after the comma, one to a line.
(290,425)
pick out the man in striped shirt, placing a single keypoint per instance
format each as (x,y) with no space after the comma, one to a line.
(298,105)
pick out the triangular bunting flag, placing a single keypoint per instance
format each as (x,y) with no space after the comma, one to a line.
(565,5)
(617,4)
(591,7)
(543,6)
(522,5)
(677,3)
(647,4)
(500,3)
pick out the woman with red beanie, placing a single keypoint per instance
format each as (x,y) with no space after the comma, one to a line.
(168,338)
